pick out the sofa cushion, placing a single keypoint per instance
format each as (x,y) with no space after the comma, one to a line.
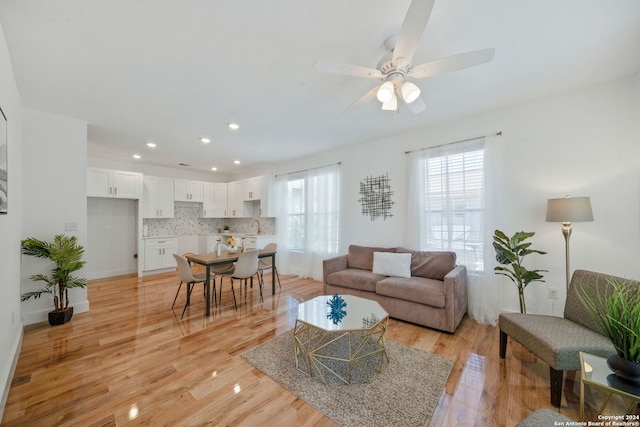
(355,279)
(392,264)
(432,265)
(362,256)
(417,289)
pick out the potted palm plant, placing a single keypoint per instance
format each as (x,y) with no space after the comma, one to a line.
(617,312)
(510,252)
(66,254)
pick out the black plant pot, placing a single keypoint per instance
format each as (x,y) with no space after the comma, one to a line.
(624,368)
(60,317)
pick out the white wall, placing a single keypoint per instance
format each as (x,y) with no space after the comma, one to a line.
(154,170)
(10,228)
(112,230)
(584,143)
(55,175)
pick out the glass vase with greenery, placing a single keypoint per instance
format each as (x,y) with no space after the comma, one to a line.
(510,253)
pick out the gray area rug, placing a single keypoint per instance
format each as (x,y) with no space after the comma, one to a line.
(404,394)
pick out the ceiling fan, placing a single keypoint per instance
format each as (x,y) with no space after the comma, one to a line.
(396,66)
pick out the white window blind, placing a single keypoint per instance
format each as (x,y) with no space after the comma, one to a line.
(453,196)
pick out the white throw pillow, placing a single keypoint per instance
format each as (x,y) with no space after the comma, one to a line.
(392,264)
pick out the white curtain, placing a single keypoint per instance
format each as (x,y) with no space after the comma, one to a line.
(307,220)
(437,221)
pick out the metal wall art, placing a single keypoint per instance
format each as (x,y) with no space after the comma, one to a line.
(376,197)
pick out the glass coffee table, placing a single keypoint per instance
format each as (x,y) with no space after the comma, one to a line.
(596,372)
(345,350)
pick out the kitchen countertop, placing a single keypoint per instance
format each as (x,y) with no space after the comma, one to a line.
(231,233)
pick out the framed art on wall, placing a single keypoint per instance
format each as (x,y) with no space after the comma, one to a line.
(4,176)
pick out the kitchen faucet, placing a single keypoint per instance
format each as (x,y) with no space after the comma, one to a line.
(256,221)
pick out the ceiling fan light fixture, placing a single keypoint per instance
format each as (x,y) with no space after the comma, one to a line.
(392,104)
(410,92)
(385,92)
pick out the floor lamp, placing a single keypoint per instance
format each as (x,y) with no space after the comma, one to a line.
(568,210)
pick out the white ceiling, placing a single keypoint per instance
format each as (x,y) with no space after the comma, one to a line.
(173,71)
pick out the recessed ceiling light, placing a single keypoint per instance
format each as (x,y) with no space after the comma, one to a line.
(214,168)
(233,126)
(151,144)
(136,156)
(237,162)
(205,140)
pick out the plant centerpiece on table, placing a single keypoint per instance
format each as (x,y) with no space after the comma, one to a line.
(66,254)
(617,312)
(232,245)
(510,252)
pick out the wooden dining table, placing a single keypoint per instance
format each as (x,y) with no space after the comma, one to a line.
(210,259)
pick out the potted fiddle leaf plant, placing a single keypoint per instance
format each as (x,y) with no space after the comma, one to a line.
(617,312)
(66,254)
(510,253)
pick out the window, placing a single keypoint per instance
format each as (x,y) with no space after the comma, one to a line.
(296,215)
(452,201)
(308,220)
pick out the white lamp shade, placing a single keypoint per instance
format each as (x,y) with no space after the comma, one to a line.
(385,93)
(569,209)
(392,104)
(410,92)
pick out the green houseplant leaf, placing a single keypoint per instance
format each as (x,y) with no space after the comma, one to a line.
(66,254)
(617,312)
(510,253)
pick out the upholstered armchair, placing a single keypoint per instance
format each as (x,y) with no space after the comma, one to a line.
(559,340)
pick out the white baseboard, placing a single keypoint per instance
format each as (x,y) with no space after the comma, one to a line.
(110,273)
(9,370)
(43,315)
(162,270)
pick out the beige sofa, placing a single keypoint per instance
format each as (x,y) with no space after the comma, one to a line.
(434,294)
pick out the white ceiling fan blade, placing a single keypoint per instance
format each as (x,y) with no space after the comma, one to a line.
(452,63)
(411,31)
(349,70)
(364,99)
(417,106)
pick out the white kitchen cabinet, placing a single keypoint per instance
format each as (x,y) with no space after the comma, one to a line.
(234,200)
(207,243)
(188,191)
(158,253)
(157,197)
(267,206)
(113,183)
(251,189)
(258,242)
(220,200)
(214,202)
(207,200)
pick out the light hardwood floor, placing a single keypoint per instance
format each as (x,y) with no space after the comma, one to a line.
(131,360)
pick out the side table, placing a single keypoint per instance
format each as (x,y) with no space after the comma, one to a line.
(596,372)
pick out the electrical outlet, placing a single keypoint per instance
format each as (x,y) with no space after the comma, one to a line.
(71,226)
(553,293)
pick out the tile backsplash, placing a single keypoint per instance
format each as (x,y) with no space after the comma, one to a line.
(186,222)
